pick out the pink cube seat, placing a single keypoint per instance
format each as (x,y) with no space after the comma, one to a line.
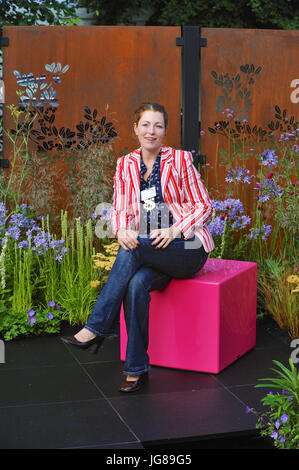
(205,323)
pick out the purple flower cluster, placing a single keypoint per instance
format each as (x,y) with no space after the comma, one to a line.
(267,188)
(25,229)
(3,215)
(104,213)
(52,305)
(229,112)
(230,209)
(31,312)
(239,174)
(288,136)
(275,433)
(268,158)
(264,232)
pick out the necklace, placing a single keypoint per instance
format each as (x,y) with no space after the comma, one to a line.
(149,196)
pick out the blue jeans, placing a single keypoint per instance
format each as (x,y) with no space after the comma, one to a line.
(135,273)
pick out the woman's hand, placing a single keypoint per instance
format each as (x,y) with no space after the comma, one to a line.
(128,239)
(163,236)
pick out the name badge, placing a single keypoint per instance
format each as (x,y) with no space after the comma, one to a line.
(148,193)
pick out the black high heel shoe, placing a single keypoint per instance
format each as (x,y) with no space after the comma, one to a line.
(93,344)
(133,385)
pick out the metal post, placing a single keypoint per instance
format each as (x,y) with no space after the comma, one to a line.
(4,162)
(191,43)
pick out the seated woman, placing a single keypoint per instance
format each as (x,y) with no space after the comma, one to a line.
(159,217)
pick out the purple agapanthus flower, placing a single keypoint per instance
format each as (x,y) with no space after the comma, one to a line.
(14,232)
(25,229)
(264,198)
(269,158)
(50,316)
(230,209)
(51,303)
(32,320)
(255,233)
(232,206)
(23,244)
(31,312)
(239,174)
(216,227)
(241,222)
(19,220)
(268,188)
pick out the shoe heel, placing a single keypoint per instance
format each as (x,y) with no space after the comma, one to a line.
(95,347)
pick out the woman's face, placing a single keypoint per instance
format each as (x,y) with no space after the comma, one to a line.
(150,130)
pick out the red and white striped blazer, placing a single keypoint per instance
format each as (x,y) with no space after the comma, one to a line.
(184,194)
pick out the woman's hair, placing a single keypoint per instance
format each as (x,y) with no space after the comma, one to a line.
(150,107)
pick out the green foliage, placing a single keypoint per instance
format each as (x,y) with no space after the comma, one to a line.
(275,13)
(272,14)
(281,422)
(276,295)
(14,324)
(31,12)
(76,295)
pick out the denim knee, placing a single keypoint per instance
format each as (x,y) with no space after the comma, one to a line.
(137,285)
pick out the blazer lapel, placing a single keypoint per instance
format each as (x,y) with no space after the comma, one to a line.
(167,159)
(134,171)
(166,166)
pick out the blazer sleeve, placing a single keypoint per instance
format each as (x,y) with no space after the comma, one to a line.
(197,207)
(120,216)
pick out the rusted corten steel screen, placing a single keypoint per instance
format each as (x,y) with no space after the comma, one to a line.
(250,72)
(118,66)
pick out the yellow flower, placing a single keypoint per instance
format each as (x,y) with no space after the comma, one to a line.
(94,283)
(99,256)
(294,279)
(100,264)
(296,289)
(112,249)
(105,278)
(14,110)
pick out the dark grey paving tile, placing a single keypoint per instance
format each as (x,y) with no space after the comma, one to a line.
(251,396)
(67,425)
(108,377)
(108,351)
(45,384)
(252,366)
(35,351)
(156,417)
(270,335)
(118,445)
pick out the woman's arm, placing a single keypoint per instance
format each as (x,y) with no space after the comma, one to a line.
(197,207)
(192,213)
(121,216)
